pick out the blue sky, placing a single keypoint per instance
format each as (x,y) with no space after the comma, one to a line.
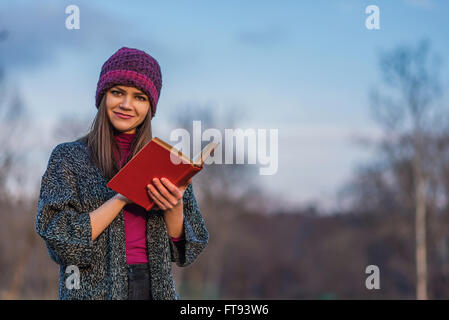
(303,67)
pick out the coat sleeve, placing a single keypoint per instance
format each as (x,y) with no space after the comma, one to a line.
(196,236)
(66,230)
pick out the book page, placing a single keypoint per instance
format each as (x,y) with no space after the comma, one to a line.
(173,150)
(204,154)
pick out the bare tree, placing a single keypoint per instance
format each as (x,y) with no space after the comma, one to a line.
(408,115)
(17,236)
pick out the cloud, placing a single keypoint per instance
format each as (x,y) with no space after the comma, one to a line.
(315,160)
(36,33)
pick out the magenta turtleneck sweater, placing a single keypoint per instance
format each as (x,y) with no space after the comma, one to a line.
(134,215)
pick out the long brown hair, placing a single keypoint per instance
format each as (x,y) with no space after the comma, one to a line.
(102,145)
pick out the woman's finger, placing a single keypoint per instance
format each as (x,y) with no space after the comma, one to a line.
(159,205)
(172,188)
(159,198)
(165,193)
(156,200)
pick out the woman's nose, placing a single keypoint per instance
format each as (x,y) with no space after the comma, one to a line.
(126,102)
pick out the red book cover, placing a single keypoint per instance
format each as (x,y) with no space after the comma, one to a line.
(157,159)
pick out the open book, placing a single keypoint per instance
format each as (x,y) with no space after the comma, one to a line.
(157,159)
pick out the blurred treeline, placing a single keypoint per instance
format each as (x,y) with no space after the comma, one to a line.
(259,252)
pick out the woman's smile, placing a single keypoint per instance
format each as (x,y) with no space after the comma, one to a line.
(122,116)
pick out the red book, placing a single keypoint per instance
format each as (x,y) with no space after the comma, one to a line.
(157,159)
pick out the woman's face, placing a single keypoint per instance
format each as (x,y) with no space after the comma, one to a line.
(126,107)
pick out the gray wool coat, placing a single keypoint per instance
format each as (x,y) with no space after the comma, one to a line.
(71,188)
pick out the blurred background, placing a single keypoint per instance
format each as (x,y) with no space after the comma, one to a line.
(363,137)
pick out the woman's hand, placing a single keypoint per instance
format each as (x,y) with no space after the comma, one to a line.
(165,194)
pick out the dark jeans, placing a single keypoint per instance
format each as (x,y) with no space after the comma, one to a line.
(139,282)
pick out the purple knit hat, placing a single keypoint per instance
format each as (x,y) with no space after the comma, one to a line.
(131,67)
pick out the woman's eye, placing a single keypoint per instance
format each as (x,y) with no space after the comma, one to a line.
(115,92)
(141,98)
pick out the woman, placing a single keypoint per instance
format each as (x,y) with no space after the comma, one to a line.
(120,250)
